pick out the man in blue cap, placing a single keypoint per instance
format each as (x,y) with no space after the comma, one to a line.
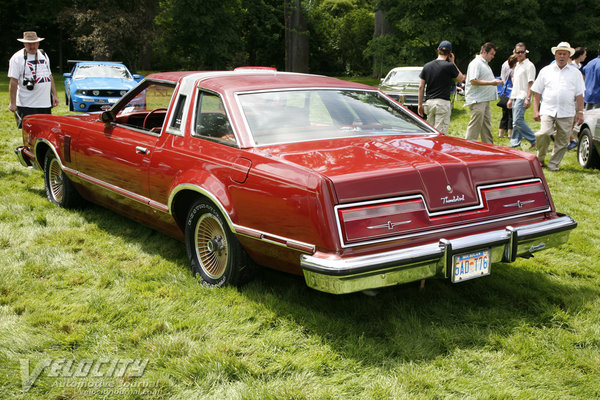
(438,76)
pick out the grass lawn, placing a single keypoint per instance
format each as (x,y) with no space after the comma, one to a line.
(111,310)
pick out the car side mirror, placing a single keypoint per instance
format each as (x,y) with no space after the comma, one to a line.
(138,77)
(67,74)
(107,117)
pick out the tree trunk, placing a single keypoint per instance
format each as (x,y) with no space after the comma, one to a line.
(296,37)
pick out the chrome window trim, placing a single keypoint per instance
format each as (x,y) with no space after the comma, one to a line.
(200,90)
(480,205)
(167,124)
(177,91)
(131,128)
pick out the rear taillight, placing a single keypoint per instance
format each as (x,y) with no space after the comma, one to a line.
(372,221)
(407,216)
(516,199)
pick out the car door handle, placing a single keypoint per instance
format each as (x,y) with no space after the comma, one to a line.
(141,150)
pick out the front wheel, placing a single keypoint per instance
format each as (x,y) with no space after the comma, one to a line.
(213,251)
(59,188)
(586,153)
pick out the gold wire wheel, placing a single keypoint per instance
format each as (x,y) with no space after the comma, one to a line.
(55,180)
(211,246)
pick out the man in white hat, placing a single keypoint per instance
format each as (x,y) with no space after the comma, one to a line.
(31,86)
(561,86)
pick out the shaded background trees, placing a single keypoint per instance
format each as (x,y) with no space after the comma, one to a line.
(333,37)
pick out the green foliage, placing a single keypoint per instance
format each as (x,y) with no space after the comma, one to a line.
(111,29)
(198,35)
(384,51)
(211,34)
(263,32)
(339,32)
(467,24)
(31,15)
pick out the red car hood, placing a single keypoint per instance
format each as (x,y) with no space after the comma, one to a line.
(445,170)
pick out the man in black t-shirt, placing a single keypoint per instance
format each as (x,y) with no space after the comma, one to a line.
(438,76)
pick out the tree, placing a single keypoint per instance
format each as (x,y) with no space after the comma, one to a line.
(27,15)
(263,32)
(420,26)
(296,37)
(112,29)
(333,37)
(199,35)
(339,31)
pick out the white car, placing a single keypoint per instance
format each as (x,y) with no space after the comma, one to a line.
(588,151)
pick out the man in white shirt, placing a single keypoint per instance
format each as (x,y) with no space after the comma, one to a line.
(31,86)
(561,87)
(479,91)
(520,98)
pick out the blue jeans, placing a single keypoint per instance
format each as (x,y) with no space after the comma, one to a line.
(520,127)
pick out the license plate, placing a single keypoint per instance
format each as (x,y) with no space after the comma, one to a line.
(470,265)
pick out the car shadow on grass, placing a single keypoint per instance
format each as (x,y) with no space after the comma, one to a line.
(404,323)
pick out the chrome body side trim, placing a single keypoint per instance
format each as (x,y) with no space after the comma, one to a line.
(25,157)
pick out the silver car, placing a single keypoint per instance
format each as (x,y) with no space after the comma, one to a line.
(402,84)
(588,151)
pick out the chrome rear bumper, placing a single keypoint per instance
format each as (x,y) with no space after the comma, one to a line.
(336,275)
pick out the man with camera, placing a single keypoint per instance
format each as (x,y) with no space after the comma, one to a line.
(31,86)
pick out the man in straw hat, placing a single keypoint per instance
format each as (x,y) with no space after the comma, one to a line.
(31,86)
(561,86)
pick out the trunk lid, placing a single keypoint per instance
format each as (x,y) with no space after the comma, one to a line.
(445,170)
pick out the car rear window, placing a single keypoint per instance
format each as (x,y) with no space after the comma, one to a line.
(301,115)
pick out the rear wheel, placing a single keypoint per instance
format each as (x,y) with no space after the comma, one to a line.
(586,152)
(59,188)
(213,251)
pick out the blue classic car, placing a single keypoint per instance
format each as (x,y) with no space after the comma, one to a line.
(93,84)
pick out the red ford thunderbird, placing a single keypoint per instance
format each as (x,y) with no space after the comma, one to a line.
(301,173)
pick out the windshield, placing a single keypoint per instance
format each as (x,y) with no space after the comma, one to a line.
(301,115)
(102,71)
(402,76)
